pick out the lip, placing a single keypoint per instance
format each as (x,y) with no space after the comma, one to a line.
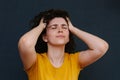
(60,36)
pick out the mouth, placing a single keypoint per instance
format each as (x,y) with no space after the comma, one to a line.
(60,36)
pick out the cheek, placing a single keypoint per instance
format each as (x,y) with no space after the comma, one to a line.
(50,34)
(67,34)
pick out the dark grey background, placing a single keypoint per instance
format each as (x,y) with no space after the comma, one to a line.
(99,17)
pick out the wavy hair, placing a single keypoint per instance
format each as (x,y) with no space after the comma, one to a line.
(48,15)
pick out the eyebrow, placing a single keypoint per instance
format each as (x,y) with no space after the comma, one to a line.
(56,25)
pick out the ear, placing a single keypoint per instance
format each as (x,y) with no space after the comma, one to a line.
(44,37)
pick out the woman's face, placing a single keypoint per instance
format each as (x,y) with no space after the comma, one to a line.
(57,32)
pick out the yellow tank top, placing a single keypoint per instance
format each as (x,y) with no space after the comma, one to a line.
(42,69)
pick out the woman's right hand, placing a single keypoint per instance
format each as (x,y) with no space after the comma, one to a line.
(42,24)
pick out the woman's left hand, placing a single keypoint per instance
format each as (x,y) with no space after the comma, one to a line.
(70,24)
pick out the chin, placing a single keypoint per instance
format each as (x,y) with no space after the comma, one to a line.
(61,43)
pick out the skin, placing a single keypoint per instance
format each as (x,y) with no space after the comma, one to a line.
(57,36)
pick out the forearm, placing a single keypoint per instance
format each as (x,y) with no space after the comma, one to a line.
(26,46)
(92,41)
(29,39)
(33,35)
(97,46)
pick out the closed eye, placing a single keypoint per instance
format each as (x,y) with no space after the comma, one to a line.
(53,26)
(64,26)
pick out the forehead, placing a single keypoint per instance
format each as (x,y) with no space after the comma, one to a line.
(58,20)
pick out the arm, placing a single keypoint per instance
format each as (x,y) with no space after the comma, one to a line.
(97,46)
(26,45)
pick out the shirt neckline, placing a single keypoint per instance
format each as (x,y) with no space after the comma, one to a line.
(52,66)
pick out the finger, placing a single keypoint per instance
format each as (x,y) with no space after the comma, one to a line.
(68,19)
(41,21)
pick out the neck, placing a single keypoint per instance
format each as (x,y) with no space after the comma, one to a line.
(56,55)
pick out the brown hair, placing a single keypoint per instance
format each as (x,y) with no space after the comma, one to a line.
(48,15)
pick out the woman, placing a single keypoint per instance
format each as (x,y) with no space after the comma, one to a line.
(47,50)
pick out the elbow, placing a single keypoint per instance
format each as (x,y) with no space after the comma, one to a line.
(23,42)
(103,48)
(107,46)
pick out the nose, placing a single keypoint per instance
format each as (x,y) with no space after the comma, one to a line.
(60,30)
